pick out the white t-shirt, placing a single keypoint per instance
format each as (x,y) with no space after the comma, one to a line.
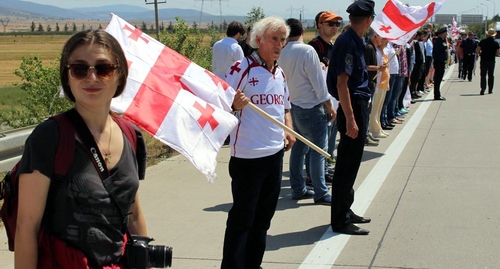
(393,60)
(306,81)
(256,136)
(225,52)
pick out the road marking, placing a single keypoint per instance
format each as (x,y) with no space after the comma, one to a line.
(328,248)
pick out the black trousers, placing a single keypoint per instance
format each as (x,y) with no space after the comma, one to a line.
(349,155)
(255,185)
(468,66)
(439,67)
(487,67)
(417,72)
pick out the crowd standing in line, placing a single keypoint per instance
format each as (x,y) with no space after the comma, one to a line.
(368,85)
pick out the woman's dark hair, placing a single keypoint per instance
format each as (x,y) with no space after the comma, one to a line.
(90,37)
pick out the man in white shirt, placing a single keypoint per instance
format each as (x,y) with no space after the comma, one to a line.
(257,145)
(311,109)
(227,51)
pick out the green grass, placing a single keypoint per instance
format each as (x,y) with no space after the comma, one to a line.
(10,98)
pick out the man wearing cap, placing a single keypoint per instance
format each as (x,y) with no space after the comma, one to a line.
(328,26)
(440,57)
(468,48)
(347,81)
(488,49)
(311,108)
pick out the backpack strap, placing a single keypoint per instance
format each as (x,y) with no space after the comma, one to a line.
(128,130)
(66,145)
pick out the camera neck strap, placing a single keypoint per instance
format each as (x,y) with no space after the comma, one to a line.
(90,145)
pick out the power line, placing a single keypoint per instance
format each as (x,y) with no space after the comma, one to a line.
(220,8)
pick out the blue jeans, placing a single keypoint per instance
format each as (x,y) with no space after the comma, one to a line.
(311,124)
(392,108)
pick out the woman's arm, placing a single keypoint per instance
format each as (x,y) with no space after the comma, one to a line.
(137,223)
(33,190)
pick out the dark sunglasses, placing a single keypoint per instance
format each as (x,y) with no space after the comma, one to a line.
(81,71)
(332,23)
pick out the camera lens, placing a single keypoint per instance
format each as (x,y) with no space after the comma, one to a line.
(160,256)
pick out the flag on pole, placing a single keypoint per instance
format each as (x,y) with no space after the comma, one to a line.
(398,22)
(172,98)
(455,32)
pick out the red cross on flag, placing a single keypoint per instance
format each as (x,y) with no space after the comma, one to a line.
(398,22)
(172,98)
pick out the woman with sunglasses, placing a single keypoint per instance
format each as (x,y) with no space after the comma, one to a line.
(88,224)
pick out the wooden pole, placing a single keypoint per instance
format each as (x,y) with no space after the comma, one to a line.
(288,129)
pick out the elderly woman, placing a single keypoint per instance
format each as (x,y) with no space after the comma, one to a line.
(89,216)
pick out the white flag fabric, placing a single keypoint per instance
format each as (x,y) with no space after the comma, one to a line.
(398,22)
(172,98)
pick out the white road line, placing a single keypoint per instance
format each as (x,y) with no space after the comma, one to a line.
(328,248)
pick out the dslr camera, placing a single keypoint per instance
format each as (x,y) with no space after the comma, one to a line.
(139,254)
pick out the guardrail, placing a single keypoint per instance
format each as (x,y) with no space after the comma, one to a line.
(12,146)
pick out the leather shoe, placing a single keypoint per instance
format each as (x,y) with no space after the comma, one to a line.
(440,98)
(386,127)
(352,230)
(306,195)
(358,219)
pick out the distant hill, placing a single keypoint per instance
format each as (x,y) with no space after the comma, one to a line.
(28,10)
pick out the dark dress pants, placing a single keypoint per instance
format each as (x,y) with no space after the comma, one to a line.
(349,155)
(487,67)
(468,66)
(255,185)
(439,67)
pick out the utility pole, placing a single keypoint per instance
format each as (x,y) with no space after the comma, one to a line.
(156,2)
(291,9)
(302,14)
(220,9)
(5,23)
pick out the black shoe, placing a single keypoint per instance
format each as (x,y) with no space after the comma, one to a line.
(352,230)
(387,128)
(358,219)
(390,125)
(413,101)
(490,92)
(481,92)
(306,195)
(440,98)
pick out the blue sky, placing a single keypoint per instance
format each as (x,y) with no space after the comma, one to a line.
(291,8)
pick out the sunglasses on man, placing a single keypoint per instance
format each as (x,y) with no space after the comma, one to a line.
(332,23)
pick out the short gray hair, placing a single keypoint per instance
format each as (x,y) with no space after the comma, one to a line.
(272,24)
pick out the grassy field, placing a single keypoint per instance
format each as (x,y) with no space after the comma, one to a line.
(13,48)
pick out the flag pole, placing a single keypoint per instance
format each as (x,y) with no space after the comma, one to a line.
(390,59)
(290,130)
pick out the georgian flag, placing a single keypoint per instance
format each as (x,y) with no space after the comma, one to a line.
(398,22)
(173,99)
(455,32)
